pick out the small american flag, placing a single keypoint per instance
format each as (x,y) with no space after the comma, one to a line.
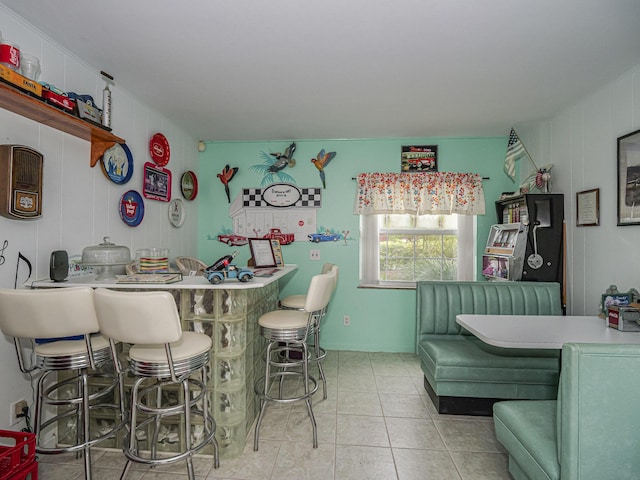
(515,150)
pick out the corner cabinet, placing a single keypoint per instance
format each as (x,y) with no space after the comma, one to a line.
(41,112)
(543,215)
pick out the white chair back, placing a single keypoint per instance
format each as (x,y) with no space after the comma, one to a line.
(326,268)
(319,293)
(138,317)
(47,313)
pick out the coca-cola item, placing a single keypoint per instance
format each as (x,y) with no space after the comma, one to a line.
(223,261)
(10,55)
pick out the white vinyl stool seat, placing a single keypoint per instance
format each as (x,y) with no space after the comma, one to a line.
(162,357)
(286,331)
(58,314)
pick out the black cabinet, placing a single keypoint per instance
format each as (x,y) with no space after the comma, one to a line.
(543,215)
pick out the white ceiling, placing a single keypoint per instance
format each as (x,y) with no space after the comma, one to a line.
(319,69)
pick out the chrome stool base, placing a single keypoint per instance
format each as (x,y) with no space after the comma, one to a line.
(278,357)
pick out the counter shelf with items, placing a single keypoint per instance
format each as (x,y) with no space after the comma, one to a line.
(229,313)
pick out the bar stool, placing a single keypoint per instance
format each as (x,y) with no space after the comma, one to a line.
(286,331)
(57,314)
(162,357)
(297,302)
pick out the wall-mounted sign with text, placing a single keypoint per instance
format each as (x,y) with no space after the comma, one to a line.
(281,195)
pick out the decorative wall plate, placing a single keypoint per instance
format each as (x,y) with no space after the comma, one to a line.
(189,185)
(117,164)
(131,208)
(159,149)
(176,212)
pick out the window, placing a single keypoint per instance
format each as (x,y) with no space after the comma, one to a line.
(399,250)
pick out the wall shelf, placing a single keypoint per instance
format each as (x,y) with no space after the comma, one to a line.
(41,112)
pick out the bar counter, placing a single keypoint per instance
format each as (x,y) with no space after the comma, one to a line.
(228,312)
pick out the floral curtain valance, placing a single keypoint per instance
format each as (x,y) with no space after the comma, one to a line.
(419,193)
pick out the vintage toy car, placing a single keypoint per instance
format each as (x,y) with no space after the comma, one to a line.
(324,237)
(233,239)
(230,271)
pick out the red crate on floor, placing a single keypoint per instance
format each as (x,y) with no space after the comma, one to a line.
(28,472)
(17,450)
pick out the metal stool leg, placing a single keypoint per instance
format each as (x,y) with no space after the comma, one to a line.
(85,422)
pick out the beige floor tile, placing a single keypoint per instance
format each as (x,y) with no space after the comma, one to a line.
(418,433)
(361,430)
(250,465)
(356,383)
(302,462)
(370,463)
(410,406)
(424,464)
(359,403)
(481,466)
(395,384)
(299,428)
(467,436)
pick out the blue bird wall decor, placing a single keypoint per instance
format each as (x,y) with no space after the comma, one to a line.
(321,161)
(273,165)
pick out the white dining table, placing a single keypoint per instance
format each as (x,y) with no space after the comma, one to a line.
(543,331)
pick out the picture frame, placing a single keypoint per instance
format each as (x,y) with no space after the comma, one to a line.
(588,208)
(628,149)
(262,252)
(419,158)
(277,252)
(156,183)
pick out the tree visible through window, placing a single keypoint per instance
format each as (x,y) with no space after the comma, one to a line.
(414,248)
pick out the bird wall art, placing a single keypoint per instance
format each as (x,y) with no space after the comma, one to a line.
(274,164)
(225,177)
(321,161)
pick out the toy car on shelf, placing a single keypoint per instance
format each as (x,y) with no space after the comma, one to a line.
(230,271)
(233,239)
(324,237)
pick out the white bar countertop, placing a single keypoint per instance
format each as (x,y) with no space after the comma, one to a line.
(543,331)
(188,282)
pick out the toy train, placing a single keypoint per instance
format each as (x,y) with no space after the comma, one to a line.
(78,105)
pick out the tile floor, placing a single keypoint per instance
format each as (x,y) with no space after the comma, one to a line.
(377,423)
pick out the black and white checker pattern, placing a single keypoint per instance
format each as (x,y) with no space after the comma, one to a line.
(310,197)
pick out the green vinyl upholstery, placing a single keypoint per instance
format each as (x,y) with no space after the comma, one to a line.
(590,432)
(456,364)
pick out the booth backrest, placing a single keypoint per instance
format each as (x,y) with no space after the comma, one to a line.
(439,302)
(598,416)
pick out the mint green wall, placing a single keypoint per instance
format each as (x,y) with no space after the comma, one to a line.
(381,320)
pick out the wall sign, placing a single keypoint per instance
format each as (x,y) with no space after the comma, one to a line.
(281,195)
(157,183)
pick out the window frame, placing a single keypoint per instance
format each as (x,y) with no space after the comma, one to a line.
(369,262)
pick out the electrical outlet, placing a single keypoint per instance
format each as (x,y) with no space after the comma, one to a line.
(314,254)
(347,321)
(15,410)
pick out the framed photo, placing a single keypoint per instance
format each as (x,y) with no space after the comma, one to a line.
(419,158)
(629,179)
(157,183)
(262,252)
(277,252)
(588,204)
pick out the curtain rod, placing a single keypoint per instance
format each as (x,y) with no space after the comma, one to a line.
(483,178)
